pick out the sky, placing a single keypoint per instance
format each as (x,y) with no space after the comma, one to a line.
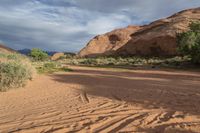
(68,25)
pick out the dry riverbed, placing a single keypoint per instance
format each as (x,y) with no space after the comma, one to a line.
(104,100)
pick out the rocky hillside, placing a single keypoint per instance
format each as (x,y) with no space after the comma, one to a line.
(156,39)
(4,49)
(109,43)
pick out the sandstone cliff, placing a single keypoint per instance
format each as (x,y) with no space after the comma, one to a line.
(108,43)
(155,39)
(159,37)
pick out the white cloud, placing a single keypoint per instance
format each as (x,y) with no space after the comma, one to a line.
(106,23)
(68,25)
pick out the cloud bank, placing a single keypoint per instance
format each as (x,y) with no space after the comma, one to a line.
(67,25)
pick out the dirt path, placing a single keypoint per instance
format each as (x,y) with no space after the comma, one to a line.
(104,100)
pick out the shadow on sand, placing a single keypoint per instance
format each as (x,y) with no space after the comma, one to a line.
(150,89)
(173,91)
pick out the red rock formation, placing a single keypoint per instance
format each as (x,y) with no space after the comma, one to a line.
(108,43)
(57,56)
(156,39)
(159,37)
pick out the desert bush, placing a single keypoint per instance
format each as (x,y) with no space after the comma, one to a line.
(89,61)
(69,56)
(13,75)
(189,42)
(62,57)
(12,56)
(50,67)
(128,61)
(15,70)
(38,54)
(47,67)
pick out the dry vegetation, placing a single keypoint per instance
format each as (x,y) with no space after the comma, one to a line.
(174,62)
(45,67)
(15,70)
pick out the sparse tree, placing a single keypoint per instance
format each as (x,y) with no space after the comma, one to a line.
(38,54)
(189,42)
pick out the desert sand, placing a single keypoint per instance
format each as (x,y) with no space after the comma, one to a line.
(92,100)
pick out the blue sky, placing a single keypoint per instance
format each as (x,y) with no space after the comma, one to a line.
(67,25)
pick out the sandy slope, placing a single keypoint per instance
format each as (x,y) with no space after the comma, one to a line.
(104,100)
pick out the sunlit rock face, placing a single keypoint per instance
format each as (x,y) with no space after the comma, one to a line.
(155,39)
(109,43)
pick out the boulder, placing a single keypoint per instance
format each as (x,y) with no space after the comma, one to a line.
(57,56)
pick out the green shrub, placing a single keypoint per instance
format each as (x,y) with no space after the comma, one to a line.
(13,74)
(12,56)
(189,42)
(38,54)
(47,67)
(129,61)
(69,56)
(15,70)
(50,67)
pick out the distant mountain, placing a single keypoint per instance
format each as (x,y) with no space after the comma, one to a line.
(50,53)
(155,39)
(27,51)
(24,51)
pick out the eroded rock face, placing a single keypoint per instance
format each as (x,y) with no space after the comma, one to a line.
(159,37)
(108,43)
(156,39)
